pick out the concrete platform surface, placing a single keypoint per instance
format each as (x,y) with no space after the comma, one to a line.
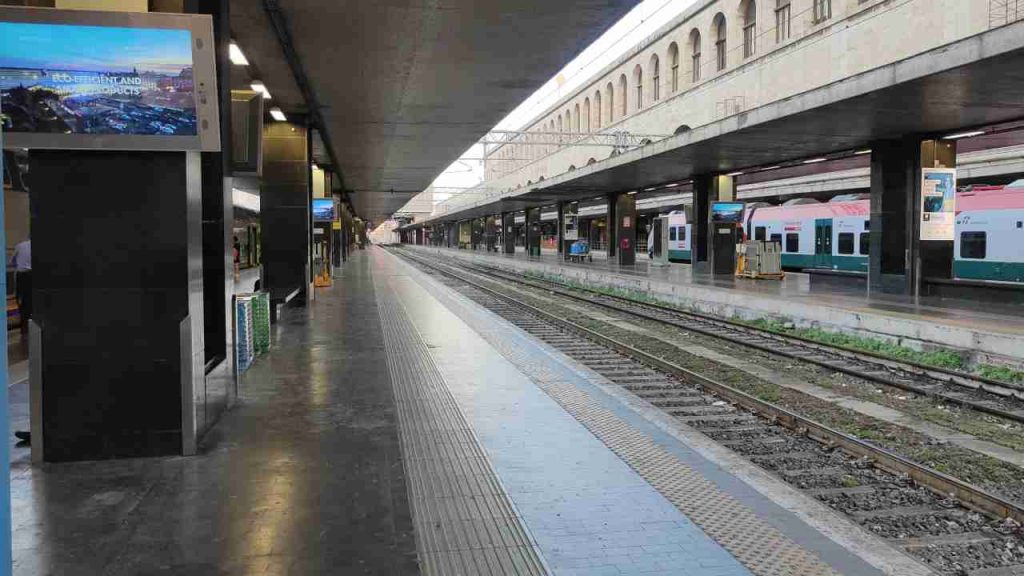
(396,427)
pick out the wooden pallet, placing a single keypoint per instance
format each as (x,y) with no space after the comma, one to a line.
(761,275)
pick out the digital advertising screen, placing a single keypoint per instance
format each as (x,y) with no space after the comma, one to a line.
(102,80)
(96,80)
(727,212)
(323,209)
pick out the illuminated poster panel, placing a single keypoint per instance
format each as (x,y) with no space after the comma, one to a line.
(938,203)
(79,80)
(67,79)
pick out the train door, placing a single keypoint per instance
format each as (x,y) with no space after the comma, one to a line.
(823,243)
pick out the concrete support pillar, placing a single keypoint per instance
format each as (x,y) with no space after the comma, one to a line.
(490,233)
(707,190)
(285,211)
(610,227)
(116,371)
(908,243)
(623,229)
(533,231)
(568,226)
(479,231)
(508,232)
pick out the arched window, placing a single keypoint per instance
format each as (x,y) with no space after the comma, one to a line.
(576,125)
(638,79)
(610,89)
(695,54)
(673,61)
(718,29)
(560,126)
(586,116)
(598,111)
(623,91)
(749,28)
(655,78)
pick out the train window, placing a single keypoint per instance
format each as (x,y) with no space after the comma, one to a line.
(865,243)
(845,243)
(777,238)
(792,242)
(672,233)
(760,233)
(867,224)
(1020,224)
(682,233)
(973,245)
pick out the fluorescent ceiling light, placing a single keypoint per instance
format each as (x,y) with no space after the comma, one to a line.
(862,152)
(236,55)
(633,193)
(769,168)
(652,189)
(260,87)
(735,174)
(247,200)
(277,114)
(815,160)
(963,135)
(672,185)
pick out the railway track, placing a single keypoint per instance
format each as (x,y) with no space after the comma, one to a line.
(954,527)
(970,391)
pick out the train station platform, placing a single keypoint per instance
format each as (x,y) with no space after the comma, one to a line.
(983,331)
(396,427)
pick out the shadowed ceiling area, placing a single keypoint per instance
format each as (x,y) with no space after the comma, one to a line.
(405,86)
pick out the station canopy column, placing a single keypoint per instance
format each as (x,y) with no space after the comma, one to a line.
(913,208)
(508,226)
(707,189)
(624,229)
(533,231)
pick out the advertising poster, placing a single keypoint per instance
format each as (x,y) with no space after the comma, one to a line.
(572,231)
(69,79)
(938,203)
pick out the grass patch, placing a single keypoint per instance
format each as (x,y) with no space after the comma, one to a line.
(939,358)
(1001,373)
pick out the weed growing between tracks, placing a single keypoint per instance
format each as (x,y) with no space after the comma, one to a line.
(939,357)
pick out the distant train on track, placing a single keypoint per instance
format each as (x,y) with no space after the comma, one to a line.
(835,235)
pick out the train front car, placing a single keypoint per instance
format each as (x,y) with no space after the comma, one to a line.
(679,235)
(990,234)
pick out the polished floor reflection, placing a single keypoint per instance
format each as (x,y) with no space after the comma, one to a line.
(303,476)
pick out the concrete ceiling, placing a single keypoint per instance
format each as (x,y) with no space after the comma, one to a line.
(978,81)
(406,86)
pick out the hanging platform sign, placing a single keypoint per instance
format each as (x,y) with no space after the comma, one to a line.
(938,203)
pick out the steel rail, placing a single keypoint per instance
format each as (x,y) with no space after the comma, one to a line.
(943,484)
(940,375)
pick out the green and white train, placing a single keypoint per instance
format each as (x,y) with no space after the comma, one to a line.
(835,235)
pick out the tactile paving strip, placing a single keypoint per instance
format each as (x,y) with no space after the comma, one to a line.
(464,521)
(757,545)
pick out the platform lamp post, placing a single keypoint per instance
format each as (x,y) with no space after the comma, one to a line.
(5,456)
